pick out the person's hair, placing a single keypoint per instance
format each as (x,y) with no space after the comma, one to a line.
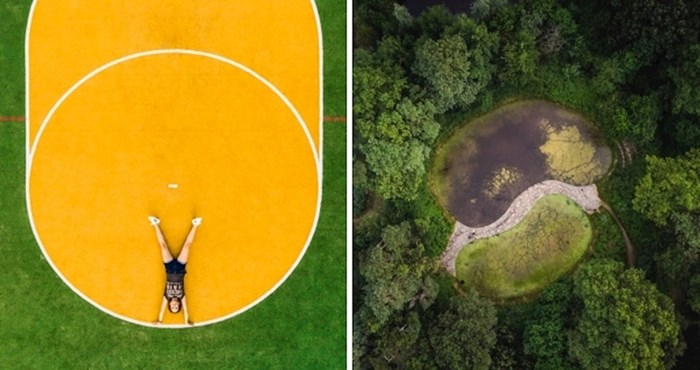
(179,305)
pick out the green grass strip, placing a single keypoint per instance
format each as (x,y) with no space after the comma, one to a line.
(546,244)
(333,14)
(13,20)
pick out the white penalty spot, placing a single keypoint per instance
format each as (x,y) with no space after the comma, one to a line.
(173,186)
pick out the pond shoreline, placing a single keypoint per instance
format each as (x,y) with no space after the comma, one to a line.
(585,196)
(484,163)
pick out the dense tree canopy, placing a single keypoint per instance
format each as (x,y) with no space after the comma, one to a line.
(456,67)
(638,123)
(463,335)
(445,66)
(546,333)
(625,322)
(670,186)
(396,340)
(481,9)
(631,67)
(394,132)
(653,27)
(397,274)
(694,293)
(686,80)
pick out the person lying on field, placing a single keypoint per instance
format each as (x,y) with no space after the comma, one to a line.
(174,295)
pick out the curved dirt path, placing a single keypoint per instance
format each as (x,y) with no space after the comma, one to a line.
(585,196)
(628,242)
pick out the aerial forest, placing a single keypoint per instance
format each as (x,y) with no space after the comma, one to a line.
(459,112)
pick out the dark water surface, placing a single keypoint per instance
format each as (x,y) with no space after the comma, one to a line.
(510,138)
(415,7)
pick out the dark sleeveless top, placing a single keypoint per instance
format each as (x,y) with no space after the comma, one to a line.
(175,286)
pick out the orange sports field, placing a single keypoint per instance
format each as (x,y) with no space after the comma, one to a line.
(125,98)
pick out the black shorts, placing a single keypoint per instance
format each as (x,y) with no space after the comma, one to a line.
(175,267)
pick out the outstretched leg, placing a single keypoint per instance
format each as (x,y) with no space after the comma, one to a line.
(167,257)
(185,253)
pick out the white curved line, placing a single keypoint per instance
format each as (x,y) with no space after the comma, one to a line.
(217,57)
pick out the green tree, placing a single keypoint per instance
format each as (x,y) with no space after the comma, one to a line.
(481,9)
(520,57)
(359,345)
(625,322)
(395,342)
(673,266)
(686,227)
(686,132)
(359,187)
(677,262)
(453,73)
(546,333)
(402,15)
(433,21)
(533,33)
(613,72)
(670,186)
(686,80)
(639,121)
(371,20)
(394,134)
(504,355)
(652,27)
(559,32)
(669,195)
(398,157)
(694,293)
(463,335)
(396,274)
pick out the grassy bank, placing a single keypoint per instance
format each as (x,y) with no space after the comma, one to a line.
(546,244)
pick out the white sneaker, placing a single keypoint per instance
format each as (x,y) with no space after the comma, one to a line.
(197,221)
(154,220)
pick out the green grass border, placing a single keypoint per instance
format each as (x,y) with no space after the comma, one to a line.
(13,22)
(333,19)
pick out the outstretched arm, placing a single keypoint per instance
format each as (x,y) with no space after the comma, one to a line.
(184,307)
(162,310)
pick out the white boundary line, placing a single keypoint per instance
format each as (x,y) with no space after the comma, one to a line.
(27,34)
(319,30)
(317,158)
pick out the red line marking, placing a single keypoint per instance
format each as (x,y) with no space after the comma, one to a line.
(334,119)
(12,119)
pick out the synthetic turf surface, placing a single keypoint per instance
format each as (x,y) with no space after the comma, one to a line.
(220,133)
(278,40)
(229,149)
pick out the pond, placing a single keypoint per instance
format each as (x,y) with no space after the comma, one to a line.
(486,163)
